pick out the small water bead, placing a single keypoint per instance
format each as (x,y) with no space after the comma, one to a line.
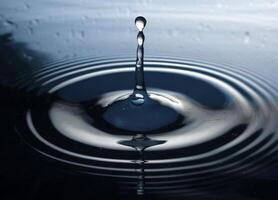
(9,24)
(140,23)
(246,38)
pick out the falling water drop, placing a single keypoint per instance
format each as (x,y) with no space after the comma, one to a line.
(140,23)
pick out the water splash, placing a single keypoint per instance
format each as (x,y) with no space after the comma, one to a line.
(139,92)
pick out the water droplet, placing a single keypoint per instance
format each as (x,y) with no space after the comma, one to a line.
(204,27)
(9,23)
(246,38)
(30,31)
(140,23)
(72,33)
(27,6)
(36,21)
(85,17)
(57,34)
(82,34)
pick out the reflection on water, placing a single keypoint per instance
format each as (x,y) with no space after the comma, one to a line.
(230,131)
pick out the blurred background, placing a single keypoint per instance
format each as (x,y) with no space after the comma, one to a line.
(242,34)
(233,32)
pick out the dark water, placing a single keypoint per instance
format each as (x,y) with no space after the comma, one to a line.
(227,130)
(85,128)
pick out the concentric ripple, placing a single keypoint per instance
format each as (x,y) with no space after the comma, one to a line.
(228,130)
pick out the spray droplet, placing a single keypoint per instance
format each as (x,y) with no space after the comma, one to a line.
(27,6)
(246,39)
(57,34)
(82,34)
(30,31)
(140,23)
(9,23)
